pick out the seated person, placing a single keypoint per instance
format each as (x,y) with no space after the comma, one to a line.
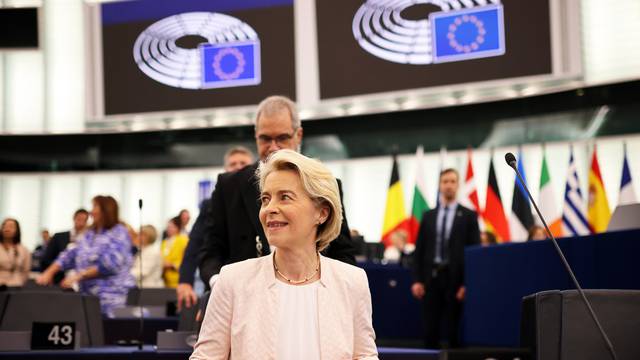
(293,303)
(487,238)
(399,246)
(15,259)
(360,245)
(537,232)
(38,252)
(60,241)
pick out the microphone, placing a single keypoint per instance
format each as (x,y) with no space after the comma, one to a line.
(141,331)
(511,161)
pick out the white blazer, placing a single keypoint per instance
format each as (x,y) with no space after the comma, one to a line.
(240,321)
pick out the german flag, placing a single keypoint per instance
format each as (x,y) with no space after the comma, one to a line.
(395,217)
(493,215)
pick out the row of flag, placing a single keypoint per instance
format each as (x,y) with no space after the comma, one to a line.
(572,221)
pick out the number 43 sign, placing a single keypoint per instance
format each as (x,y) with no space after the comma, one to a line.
(53,335)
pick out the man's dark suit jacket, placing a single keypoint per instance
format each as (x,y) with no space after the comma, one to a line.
(56,245)
(233,224)
(190,258)
(464,232)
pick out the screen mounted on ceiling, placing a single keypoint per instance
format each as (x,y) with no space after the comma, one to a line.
(19,28)
(165,55)
(387,45)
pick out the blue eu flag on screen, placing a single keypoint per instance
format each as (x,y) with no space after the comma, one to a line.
(467,34)
(230,64)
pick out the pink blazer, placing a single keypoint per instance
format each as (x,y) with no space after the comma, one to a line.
(240,321)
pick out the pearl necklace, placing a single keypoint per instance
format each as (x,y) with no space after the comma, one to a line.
(296,282)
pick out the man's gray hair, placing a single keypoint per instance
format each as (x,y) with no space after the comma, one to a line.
(276,104)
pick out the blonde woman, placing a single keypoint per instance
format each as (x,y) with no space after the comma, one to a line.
(151,259)
(293,303)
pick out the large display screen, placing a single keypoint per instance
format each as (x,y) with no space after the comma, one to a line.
(372,46)
(18,28)
(165,55)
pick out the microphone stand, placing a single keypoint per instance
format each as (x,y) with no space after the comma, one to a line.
(140,245)
(511,161)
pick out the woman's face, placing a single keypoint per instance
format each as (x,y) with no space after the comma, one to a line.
(539,234)
(135,240)
(288,215)
(484,239)
(398,240)
(9,229)
(172,229)
(146,239)
(96,214)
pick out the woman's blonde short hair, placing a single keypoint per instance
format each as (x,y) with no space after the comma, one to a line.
(150,232)
(319,184)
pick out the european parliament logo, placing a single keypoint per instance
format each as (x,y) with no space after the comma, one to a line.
(467,34)
(228,56)
(461,30)
(230,64)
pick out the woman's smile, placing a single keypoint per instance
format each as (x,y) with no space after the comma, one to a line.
(273,225)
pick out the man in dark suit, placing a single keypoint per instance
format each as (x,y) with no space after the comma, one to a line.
(233,231)
(439,262)
(61,240)
(235,159)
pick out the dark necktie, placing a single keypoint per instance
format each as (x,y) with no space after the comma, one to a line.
(443,235)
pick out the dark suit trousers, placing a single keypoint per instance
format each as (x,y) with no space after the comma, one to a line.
(441,312)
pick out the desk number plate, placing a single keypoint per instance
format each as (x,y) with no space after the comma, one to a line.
(53,336)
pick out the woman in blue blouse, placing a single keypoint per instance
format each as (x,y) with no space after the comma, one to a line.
(101,259)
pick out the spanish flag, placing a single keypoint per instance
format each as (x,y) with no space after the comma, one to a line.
(395,217)
(494,218)
(598,213)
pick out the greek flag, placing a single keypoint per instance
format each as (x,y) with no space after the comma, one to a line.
(467,34)
(230,64)
(574,221)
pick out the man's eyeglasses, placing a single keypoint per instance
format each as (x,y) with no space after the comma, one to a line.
(282,139)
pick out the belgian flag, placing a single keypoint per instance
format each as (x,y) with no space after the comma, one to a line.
(395,217)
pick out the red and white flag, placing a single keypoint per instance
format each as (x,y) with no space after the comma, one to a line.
(469,194)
